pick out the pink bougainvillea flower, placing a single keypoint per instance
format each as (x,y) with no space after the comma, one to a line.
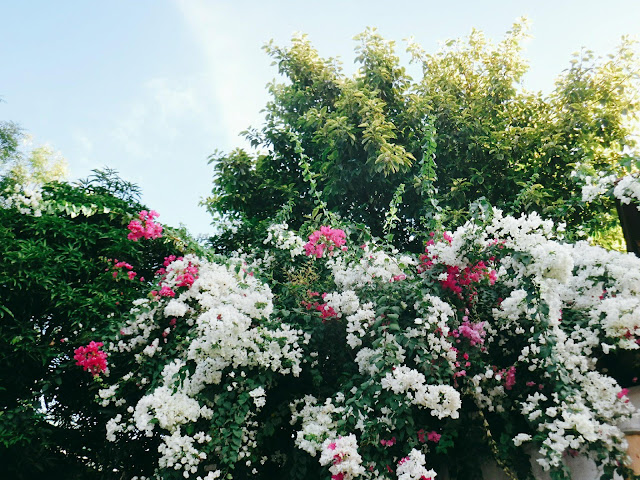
(510,378)
(122,266)
(325,239)
(91,358)
(473,331)
(167,292)
(388,443)
(146,227)
(623,393)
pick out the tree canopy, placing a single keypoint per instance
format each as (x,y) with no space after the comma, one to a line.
(24,163)
(380,141)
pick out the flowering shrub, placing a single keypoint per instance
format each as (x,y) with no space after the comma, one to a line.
(378,365)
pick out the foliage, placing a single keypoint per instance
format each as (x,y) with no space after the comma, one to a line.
(57,292)
(9,137)
(106,181)
(378,364)
(466,129)
(39,164)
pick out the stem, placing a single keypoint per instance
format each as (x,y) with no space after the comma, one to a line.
(494,448)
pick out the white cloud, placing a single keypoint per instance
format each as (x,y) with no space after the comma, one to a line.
(234,61)
(129,130)
(168,110)
(83,147)
(173,100)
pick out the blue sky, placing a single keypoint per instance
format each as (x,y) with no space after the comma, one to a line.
(152,87)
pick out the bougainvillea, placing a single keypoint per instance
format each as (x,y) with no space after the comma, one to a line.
(625,188)
(325,239)
(146,227)
(91,358)
(368,363)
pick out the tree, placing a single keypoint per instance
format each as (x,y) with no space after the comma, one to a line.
(9,136)
(38,164)
(419,152)
(60,288)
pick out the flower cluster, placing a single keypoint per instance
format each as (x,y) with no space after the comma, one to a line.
(325,239)
(626,189)
(91,358)
(176,273)
(326,311)
(412,467)
(121,266)
(473,331)
(282,238)
(318,423)
(341,454)
(442,400)
(373,266)
(145,227)
(457,280)
(26,199)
